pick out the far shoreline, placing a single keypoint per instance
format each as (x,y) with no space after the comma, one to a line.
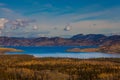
(3,50)
(90,50)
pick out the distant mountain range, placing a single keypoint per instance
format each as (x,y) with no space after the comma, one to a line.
(76,40)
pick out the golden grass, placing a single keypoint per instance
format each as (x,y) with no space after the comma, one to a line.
(27,67)
(4,50)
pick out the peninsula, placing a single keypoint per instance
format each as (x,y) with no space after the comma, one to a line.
(4,50)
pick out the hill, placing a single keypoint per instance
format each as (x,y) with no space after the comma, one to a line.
(76,40)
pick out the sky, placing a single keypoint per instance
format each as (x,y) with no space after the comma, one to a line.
(64,18)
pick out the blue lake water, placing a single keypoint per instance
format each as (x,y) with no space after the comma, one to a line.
(60,51)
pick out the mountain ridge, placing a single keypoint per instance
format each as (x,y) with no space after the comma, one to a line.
(76,40)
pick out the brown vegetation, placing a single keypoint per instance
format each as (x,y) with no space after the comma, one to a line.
(26,67)
(113,48)
(83,50)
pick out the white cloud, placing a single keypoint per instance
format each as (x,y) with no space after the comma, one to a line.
(21,23)
(3,21)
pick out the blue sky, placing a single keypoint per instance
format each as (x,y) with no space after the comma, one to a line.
(35,18)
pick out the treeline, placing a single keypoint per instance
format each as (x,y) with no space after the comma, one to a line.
(26,67)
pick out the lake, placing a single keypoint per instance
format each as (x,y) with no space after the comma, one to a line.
(60,51)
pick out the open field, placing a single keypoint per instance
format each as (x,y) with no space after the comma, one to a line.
(27,67)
